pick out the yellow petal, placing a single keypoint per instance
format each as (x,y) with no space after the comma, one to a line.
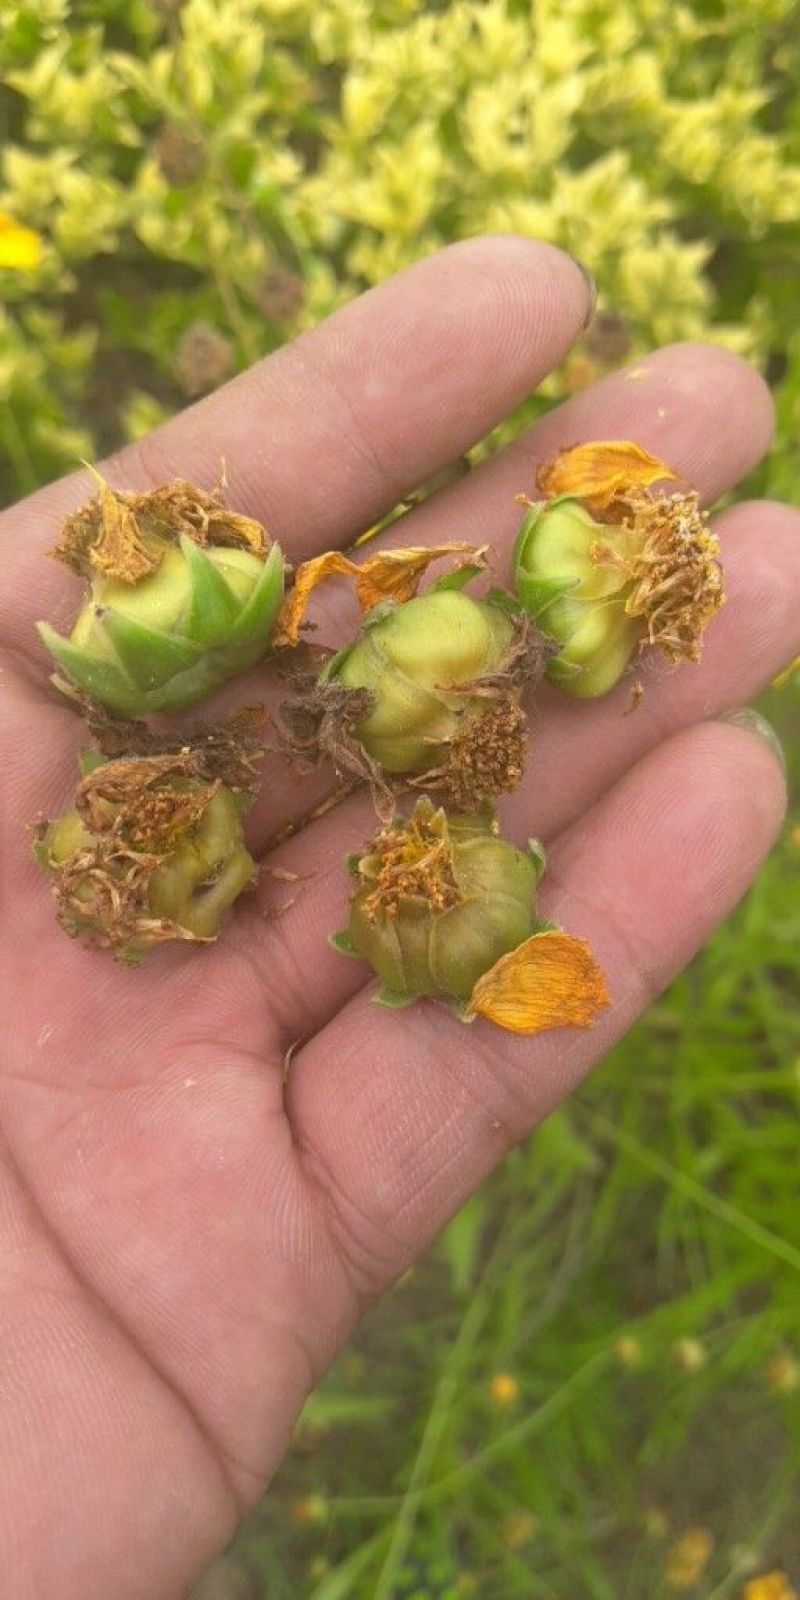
(389,575)
(598,473)
(20,248)
(550,981)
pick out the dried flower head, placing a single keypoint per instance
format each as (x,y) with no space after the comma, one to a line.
(429,692)
(183,595)
(153,850)
(606,567)
(445,907)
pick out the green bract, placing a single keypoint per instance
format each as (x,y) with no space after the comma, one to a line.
(440,899)
(576,599)
(183,595)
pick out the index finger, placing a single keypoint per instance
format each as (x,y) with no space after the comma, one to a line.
(328,433)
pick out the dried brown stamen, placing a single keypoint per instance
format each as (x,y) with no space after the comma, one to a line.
(676,578)
(487,756)
(412,860)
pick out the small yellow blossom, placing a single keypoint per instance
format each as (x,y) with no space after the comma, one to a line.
(504,1389)
(689,1354)
(688,1558)
(773,1586)
(308,1511)
(20,247)
(628,1350)
(518,1530)
(783,1373)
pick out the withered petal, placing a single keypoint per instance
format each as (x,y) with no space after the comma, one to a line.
(388,575)
(601,471)
(550,981)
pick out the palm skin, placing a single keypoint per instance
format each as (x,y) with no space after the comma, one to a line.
(188,1232)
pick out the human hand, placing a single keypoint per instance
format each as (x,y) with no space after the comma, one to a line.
(186,1237)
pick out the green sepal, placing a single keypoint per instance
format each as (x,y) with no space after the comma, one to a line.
(214,607)
(376,614)
(393,999)
(545,925)
(537,595)
(530,520)
(343,943)
(152,658)
(255,621)
(560,670)
(455,580)
(41,854)
(351,862)
(101,679)
(503,600)
(538,856)
(89,761)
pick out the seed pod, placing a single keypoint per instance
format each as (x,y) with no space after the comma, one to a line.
(607,569)
(442,675)
(153,848)
(445,907)
(183,595)
(430,689)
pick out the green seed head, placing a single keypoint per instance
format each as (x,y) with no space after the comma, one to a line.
(439,900)
(153,848)
(183,595)
(578,599)
(441,676)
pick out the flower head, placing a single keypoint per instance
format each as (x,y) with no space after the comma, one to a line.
(606,568)
(445,907)
(183,595)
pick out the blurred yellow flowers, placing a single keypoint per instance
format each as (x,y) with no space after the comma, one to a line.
(20,247)
(773,1586)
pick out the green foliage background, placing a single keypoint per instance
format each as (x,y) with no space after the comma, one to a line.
(208,179)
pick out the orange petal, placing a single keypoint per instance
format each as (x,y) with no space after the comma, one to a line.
(550,981)
(389,575)
(20,247)
(598,473)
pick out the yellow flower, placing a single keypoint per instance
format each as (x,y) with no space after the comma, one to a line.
(20,247)
(688,1558)
(773,1586)
(783,1372)
(504,1389)
(628,1351)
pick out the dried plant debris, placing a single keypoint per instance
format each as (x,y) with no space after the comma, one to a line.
(153,848)
(183,594)
(606,568)
(445,907)
(429,692)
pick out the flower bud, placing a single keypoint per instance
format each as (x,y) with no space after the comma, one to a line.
(443,905)
(605,568)
(183,595)
(153,849)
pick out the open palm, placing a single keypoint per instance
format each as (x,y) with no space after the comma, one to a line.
(187,1233)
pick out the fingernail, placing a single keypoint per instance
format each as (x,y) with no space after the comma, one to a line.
(753,722)
(591,285)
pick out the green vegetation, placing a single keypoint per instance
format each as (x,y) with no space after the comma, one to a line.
(602,1353)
